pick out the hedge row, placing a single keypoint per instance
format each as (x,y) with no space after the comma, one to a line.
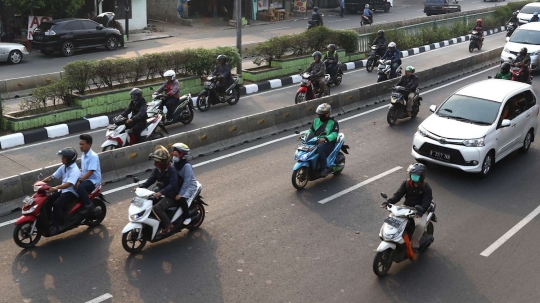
(315,39)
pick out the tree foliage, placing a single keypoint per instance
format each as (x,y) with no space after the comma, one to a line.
(52,8)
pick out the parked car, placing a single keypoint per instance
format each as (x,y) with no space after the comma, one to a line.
(355,6)
(12,52)
(526,13)
(68,35)
(478,125)
(528,36)
(435,7)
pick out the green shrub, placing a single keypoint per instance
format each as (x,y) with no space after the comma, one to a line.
(233,57)
(153,63)
(78,74)
(348,40)
(299,44)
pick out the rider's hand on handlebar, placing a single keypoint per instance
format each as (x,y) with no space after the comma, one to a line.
(135,188)
(128,121)
(157,195)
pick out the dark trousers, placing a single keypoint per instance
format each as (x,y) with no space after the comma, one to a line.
(84,189)
(395,66)
(342,12)
(324,149)
(59,202)
(171,105)
(332,68)
(166,203)
(136,130)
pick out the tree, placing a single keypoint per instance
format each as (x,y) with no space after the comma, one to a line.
(52,8)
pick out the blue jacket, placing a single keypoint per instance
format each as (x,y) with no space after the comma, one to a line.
(392,56)
(367,12)
(342,4)
(169,178)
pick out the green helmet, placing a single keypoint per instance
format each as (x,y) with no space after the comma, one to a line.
(410,69)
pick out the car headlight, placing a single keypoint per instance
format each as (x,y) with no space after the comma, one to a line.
(474,142)
(422,131)
(137,216)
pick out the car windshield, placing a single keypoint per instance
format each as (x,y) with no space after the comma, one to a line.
(529,9)
(524,36)
(45,26)
(469,110)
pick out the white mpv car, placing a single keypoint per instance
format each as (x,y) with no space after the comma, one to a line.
(478,125)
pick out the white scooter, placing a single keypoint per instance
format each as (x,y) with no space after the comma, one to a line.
(395,233)
(143,223)
(384,69)
(117,135)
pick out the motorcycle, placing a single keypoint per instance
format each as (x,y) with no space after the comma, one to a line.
(510,28)
(309,88)
(374,57)
(307,167)
(209,96)
(339,74)
(37,210)
(365,20)
(475,41)
(312,23)
(117,135)
(398,108)
(396,232)
(143,224)
(518,71)
(385,67)
(183,112)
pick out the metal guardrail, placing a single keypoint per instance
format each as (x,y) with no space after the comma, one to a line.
(415,29)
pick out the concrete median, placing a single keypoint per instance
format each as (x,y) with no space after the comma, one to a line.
(205,141)
(287,118)
(11,189)
(235,132)
(127,160)
(262,125)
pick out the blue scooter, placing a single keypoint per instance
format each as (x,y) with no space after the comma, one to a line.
(307,167)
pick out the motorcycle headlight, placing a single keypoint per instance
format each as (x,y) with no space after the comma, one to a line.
(30,210)
(474,142)
(137,216)
(303,157)
(422,131)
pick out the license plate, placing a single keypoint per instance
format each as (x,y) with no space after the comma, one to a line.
(439,155)
(393,222)
(111,126)
(28,201)
(137,202)
(207,83)
(304,147)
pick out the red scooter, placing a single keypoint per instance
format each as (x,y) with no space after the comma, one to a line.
(518,73)
(37,213)
(309,89)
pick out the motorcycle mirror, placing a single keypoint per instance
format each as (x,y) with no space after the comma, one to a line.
(135,180)
(40,177)
(384,195)
(507,39)
(432,108)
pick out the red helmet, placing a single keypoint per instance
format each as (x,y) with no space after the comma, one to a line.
(479,22)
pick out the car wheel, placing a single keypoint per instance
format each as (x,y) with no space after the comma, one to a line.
(527,142)
(112,43)
(487,165)
(15,56)
(68,48)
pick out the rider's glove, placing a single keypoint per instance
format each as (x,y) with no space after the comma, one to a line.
(419,214)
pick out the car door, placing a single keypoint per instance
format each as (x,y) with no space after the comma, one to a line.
(75,31)
(519,123)
(505,135)
(532,111)
(95,36)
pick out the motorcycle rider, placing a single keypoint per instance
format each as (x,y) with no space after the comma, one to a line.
(514,19)
(166,174)
(137,122)
(535,17)
(186,178)
(64,193)
(410,82)
(172,98)
(316,17)
(381,42)
(523,59)
(331,57)
(479,27)
(318,69)
(417,192)
(223,73)
(394,55)
(505,73)
(324,124)
(367,13)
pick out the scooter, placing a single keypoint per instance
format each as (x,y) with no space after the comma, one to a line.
(309,89)
(184,112)
(518,71)
(307,167)
(365,20)
(117,135)
(374,57)
(398,108)
(396,232)
(476,42)
(37,210)
(339,74)
(209,95)
(312,24)
(510,28)
(385,67)
(143,224)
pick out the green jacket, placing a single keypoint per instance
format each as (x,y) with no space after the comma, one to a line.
(331,129)
(502,76)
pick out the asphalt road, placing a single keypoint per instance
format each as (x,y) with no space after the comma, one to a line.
(263,241)
(38,63)
(38,155)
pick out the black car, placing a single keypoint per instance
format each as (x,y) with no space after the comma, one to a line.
(67,35)
(435,7)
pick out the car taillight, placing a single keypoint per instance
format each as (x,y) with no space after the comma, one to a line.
(49,33)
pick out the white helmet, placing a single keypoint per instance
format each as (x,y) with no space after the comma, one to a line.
(182,149)
(367,5)
(170,73)
(392,45)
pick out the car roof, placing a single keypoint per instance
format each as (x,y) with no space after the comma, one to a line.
(493,89)
(535,26)
(533,4)
(56,21)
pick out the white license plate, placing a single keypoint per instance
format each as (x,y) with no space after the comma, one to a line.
(137,202)
(439,155)
(304,147)
(393,222)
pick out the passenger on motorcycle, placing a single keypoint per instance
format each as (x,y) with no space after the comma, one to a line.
(479,27)
(410,82)
(65,193)
(505,73)
(316,17)
(137,122)
(186,178)
(326,129)
(332,60)
(394,55)
(381,42)
(318,69)
(523,59)
(166,174)
(223,73)
(90,171)
(535,17)
(417,192)
(368,13)
(172,98)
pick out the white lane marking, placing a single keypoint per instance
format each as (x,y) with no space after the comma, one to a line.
(510,233)
(339,20)
(275,29)
(8,222)
(100,298)
(357,186)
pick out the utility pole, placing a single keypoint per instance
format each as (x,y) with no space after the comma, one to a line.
(239,34)
(126,15)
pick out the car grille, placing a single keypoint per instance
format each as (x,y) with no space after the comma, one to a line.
(455,155)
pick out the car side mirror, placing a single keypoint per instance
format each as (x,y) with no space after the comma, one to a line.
(135,180)
(384,195)
(99,27)
(506,123)
(433,108)
(507,39)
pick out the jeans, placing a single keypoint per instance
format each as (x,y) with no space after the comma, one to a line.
(166,203)
(59,201)
(332,68)
(395,66)
(324,149)
(420,225)
(84,189)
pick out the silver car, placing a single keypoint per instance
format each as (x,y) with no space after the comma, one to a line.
(12,52)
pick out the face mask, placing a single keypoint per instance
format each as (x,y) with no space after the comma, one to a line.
(415,178)
(323,118)
(175,159)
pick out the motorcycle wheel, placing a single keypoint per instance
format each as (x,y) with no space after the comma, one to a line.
(190,118)
(110,147)
(340,159)
(391,117)
(203,104)
(198,219)
(429,231)
(339,78)
(300,97)
(236,97)
(471,47)
(381,78)
(370,64)
(326,90)
(21,235)
(382,263)
(479,46)
(129,241)
(100,211)
(300,177)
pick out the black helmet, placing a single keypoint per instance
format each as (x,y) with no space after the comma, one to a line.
(69,153)
(515,13)
(135,93)
(315,9)
(417,169)
(332,46)
(221,57)
(523,51)
(317,54)
(380,32)
(505,67)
